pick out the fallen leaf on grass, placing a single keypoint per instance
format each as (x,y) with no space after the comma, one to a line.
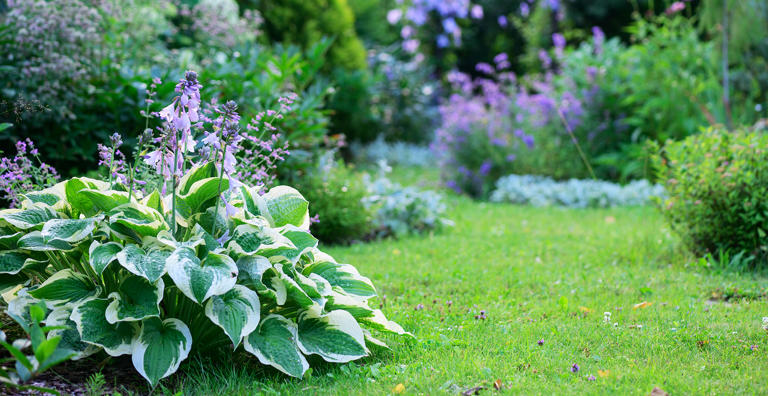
(603,373)
(399,388)
(472,391)
(658,392)
(497,384)
(585,309)
(644,304)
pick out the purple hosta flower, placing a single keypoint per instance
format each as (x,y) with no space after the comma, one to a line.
(477,11)
(314,219)
(502,21)
(394,16)
(575,368)
(675,8)
(411,45)
(228,208)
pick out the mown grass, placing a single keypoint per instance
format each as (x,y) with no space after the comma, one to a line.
(539,274)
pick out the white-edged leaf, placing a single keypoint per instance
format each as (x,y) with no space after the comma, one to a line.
(100,255)
(301,239)
(215,275)
(34,241)
(30,217)
(356,306)
(371,340)
(263,241)
(65,286)
(105,200)
(12,262)
(138,218)
(287,206)
(68,230)
(150,265)
(136,299)
(160,348)
(379,322)
(274,344)
(115,338)
(335,336)
(344,276)
(237,312)
(70,337)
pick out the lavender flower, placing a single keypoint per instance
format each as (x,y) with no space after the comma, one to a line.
(20,174)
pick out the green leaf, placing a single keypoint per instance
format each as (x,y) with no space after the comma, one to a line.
(344,276)
(160,348)
(358,307)
(20,357)
(295,292)
(66,328)
(66,286)
(68,230)
(253,203)
(196,174)
(150,265)
(274,344)
(100,255)
(215,275)
(139,218)
(105,200)
(90,319)
(287,206)
(236,312)
(136,299)
(31,217)
(378,321)
(251,272)
(10,241)
(263,241)
(43,197)
(78,201)
(155,201)
(12,262)
(335,336)
(301,239)
(34,241)
(200,193)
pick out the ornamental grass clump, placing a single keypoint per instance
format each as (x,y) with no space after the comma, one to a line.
(198,262)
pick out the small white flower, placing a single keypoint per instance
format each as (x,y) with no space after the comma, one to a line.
(606,317)
(765,322)
(616,324)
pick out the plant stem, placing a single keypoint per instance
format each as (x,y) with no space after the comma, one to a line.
(218,195)
(173,185)
(576,143)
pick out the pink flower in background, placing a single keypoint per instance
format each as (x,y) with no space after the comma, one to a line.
(675,7)
(394,16)
(477,11)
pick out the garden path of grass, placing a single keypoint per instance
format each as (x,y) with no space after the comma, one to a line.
(540,274)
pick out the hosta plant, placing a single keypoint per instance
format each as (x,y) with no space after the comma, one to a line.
(210,264)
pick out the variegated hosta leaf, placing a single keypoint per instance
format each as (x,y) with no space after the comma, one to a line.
(253,203)
(201,192)
(160,348)
(65,286)
(155,201)
(344,276)
(44,197)
(379,322)
(371,340)
(68,230)
(70,337)
(274,344)
(100,255)
(10,240)
(12,262)
(116,339)
(251,269)
(236,312)
(295,292)
(356,306)
(287,206)
(138,218)
(196,174)
(150,265)
(303,240)
(34,241)
(10,282)
(18,306)
(263,241)
(335,336)
(215,275)
(105,200)
(196,239)
(31,217)
(136,299)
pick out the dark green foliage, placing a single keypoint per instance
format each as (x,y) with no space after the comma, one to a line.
(717,183)
(371,20)
(336,194)
(352,106)
(305,22)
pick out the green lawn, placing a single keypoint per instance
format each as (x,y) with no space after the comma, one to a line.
(539,274)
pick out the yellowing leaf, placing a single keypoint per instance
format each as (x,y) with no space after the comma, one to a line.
(603,373)
(585,309)
(399,388)
(644,304)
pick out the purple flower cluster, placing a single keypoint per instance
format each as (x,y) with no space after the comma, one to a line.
(113,159)
(414,14)
(219,24)
(488,120)
(21,174)
(54,50)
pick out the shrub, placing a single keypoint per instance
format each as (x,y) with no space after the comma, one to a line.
(574,193)
(717,184)
(305,22)
(397,153)
(337,194)
(210,264)
(402,210)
